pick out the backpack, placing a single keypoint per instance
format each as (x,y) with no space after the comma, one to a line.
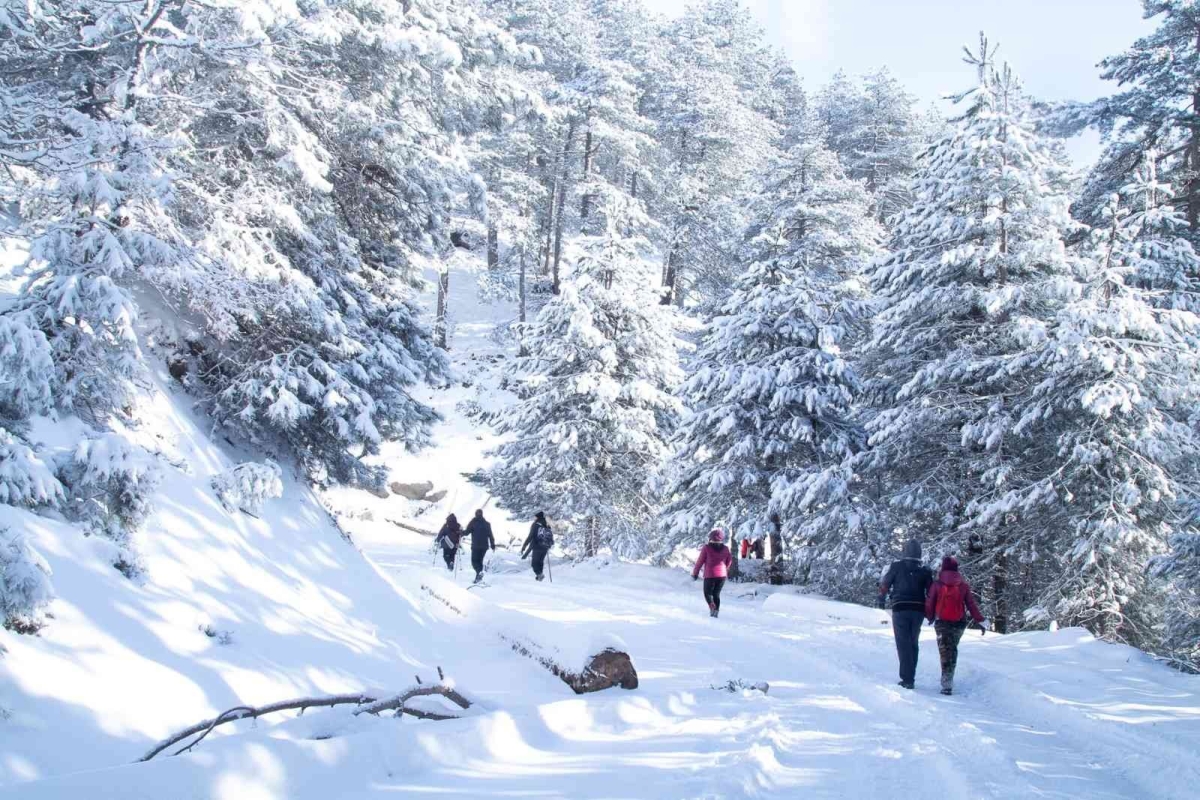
(907,583)
(544,537)
(951,602)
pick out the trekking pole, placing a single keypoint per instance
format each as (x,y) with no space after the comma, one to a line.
(456,563)
(549,571)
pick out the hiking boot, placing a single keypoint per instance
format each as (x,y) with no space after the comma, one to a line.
(907,685)
(947,691)
(537,577)
(478,577)
(712,612)
(716,612)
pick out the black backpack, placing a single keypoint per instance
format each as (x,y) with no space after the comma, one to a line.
(909,580)
(544,537)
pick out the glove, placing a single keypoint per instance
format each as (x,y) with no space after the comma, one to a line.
(695,577)
(881,602)
(983,628)
(493,548)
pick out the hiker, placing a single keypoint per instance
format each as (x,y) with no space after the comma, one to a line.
(715,558)
(448,537)
(947,606)
(775,571)
(908,581)
(538,543)
(481,540)
(745,547)
(759,548)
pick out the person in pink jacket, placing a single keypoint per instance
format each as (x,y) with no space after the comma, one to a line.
(715,559)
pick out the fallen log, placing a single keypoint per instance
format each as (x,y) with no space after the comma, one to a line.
(368,705)
(610,667)
(412,528)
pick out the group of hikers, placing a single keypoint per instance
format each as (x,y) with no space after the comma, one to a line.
(917,596)
(945,601)
(537,543)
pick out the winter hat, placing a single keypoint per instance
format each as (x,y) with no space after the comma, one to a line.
(717,535)
(912,549)
(950,563)
(540,516)
(451,518)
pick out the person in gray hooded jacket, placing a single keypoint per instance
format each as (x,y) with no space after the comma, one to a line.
(908,581)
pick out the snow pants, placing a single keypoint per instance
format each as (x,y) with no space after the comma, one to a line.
(948,636)
(712,592)
(906,627)
(477,555)
(537,557)
(448,555)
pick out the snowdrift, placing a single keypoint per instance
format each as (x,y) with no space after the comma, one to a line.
(230,609)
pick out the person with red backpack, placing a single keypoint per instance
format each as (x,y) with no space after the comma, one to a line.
(715,559)
(947,606)
(908,582)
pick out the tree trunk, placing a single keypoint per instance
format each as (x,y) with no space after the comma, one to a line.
(668,280)
(493,247)
(561,205)
(585,202)
(521,349)
(1000,586)
(1193,213)
(443,299)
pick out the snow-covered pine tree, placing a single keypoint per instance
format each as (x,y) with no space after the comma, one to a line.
(92,184)
(1152,116)
(1163,260)
(770,390)
(975,275)
(596,401)
(1099,432)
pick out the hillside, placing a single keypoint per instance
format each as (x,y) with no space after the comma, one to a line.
(123,663)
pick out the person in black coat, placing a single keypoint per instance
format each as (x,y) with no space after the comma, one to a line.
(908,581)
(538,543)
(481,541)
(448,537)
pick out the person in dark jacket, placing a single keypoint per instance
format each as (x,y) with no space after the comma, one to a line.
(759,548)
(481,541)
(448,537)
(908,581)
(947,606)
(538,543)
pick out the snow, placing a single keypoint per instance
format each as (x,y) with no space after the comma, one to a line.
(124,663)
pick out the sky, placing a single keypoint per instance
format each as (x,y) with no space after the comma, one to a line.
(1053,45)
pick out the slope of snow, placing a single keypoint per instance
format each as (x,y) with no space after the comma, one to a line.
(124,662)
(1050,714)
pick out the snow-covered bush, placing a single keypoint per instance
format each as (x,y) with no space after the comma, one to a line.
(25,480)
(110,483)
(247,486)
(25,588)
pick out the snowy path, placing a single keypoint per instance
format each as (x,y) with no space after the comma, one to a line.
(1048,715)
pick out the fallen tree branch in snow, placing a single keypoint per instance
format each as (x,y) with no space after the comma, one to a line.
(443,600)
(412,528)
(368,705)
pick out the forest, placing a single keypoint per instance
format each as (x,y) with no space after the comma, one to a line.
(739,293)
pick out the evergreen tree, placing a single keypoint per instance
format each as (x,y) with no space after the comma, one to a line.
(1098,435)
(974,277)
(770,391)
(596,395)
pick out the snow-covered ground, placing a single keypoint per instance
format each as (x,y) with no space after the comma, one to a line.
(124,663)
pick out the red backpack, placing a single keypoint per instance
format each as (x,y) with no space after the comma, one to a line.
(951,602)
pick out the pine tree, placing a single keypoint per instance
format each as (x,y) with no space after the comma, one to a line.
(596,395)
(974,278)
(1090,493)
(770,390)
(1156,115)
